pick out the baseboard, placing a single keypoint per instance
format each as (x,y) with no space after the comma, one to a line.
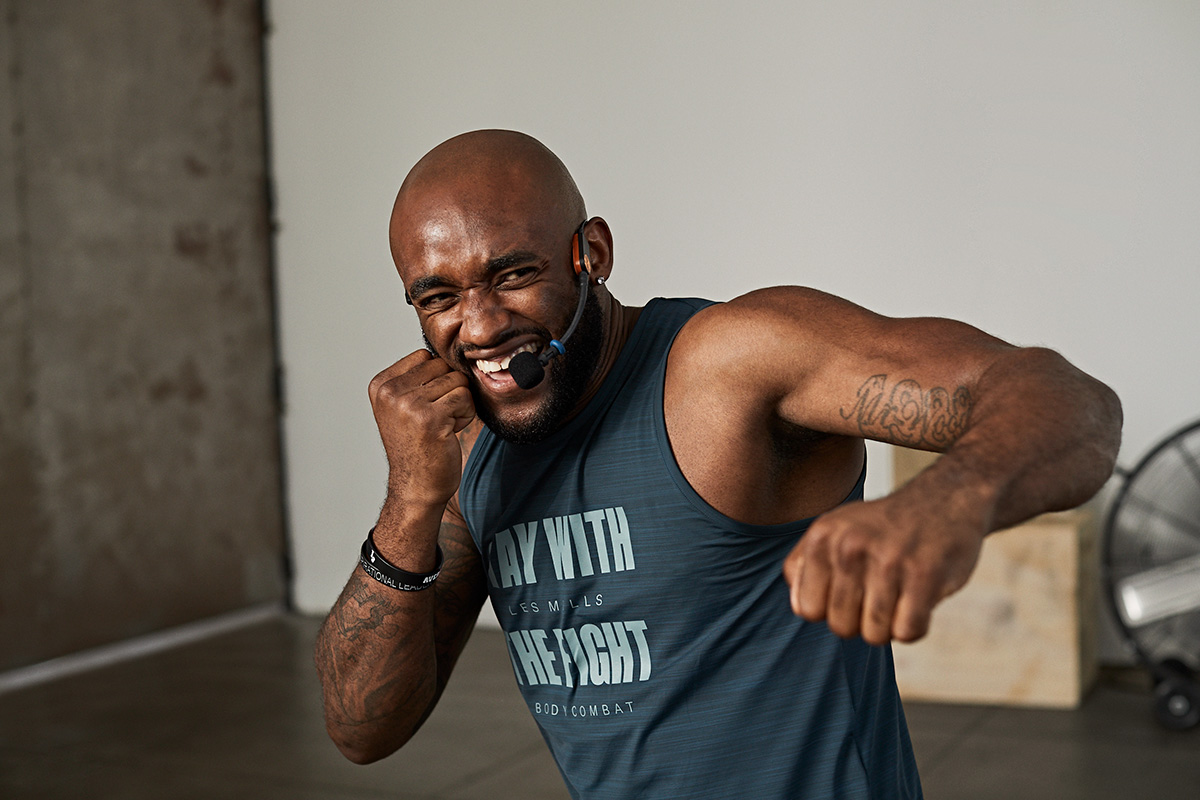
(137,647)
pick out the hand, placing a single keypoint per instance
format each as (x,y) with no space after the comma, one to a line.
(878,568)
(420,404)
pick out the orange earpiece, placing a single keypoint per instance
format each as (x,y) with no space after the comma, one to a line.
(580,254)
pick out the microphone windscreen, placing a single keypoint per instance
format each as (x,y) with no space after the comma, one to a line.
(526,370)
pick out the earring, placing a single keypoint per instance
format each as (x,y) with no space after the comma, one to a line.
(600,281)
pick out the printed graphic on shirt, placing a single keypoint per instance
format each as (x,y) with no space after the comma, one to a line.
(551,552)
(592,654)
(579,544)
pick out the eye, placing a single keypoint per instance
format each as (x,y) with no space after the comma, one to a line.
(437,301)
(516,278)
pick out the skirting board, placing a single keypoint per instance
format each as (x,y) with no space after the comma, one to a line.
(108,654)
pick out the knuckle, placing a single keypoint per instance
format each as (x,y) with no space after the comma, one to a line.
(875,634)
(911,626)
(389,394)
(812,609)
(851,549)
(908,633)
(842,627)
(820,530)
(878,611)
(793,560)
(377,383)
(460,395)
(889,565)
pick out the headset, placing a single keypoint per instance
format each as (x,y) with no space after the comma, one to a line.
(581,255)
(527,369)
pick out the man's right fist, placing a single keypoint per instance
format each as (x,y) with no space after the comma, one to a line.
(420,404)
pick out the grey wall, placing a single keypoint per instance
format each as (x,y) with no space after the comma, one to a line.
(139,465)
(1030,167)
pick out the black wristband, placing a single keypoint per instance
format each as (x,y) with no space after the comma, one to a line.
(379,568)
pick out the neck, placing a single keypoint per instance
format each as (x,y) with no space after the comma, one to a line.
(618,324)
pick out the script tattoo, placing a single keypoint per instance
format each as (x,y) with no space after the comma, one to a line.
(905,414)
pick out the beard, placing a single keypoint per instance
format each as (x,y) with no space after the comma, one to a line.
(567,377)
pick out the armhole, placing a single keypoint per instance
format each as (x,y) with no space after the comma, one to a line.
(685,488)
(472,455)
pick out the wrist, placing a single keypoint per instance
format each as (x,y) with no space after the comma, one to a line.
(406,535)
(389,574)
(960,492)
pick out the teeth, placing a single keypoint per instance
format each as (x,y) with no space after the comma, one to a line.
(487,367)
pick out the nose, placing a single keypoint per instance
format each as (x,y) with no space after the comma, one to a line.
(484,318)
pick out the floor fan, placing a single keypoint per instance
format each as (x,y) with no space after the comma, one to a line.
(1152,571)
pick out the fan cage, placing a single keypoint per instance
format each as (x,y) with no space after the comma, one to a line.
(1154,521)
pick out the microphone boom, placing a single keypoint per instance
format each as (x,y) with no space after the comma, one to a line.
(527,369)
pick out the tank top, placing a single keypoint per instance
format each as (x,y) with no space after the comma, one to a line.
(651,636)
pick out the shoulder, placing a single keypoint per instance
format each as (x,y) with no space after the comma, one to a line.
(760,334)
(776,311)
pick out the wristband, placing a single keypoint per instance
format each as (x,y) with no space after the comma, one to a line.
(379,568)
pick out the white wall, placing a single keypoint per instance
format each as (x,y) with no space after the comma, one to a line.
(1033,168)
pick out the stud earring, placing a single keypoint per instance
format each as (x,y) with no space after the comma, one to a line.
(600,281)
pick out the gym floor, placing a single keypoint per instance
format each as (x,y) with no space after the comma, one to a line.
(238,715)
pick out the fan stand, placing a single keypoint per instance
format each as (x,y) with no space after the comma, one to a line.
(1176,696)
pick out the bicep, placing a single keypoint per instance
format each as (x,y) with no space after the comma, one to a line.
(828,365)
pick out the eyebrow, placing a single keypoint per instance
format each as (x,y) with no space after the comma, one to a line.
(502,262)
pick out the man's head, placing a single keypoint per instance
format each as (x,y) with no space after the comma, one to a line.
(481,235)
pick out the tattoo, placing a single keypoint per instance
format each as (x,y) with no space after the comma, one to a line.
(377,619)
(373,653)
(903,413)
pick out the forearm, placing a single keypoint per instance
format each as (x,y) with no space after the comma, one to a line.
(1042,436)
(377,661)
(384,654)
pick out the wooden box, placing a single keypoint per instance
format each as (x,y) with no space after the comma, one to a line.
(1024,629)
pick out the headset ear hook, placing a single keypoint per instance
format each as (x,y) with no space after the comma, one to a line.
(581,253)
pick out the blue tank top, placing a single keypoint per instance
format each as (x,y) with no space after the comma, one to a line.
(651,635)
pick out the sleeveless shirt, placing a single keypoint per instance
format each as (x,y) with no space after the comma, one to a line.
(651,635)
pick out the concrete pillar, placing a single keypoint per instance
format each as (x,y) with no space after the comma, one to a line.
(139,458)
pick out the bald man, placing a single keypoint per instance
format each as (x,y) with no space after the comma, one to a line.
(631,513)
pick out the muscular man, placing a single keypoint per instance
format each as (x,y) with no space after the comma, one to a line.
(630,514)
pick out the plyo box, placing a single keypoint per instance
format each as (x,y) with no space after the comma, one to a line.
(1023,631)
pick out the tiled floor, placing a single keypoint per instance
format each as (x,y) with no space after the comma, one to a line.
(238,716)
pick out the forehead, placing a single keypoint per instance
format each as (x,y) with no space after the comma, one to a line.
(440,231)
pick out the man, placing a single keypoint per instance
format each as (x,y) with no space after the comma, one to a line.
(630,513)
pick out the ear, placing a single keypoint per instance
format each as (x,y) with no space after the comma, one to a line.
(600,247)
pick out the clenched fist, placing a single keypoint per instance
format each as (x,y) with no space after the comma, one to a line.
(878,568)
(420,404)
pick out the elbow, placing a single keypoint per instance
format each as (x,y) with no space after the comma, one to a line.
(1090,407)
(359,755)
(1110,422)
(361,749)
(1102,442)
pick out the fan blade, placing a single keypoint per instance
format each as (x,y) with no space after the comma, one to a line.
(1160,592)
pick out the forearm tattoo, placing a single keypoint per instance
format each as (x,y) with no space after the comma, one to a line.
(373,653)
(905,414)
(374,614)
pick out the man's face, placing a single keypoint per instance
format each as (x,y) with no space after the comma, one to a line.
(484,293)
(566,379)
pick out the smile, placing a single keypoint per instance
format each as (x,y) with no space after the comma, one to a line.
(487,366)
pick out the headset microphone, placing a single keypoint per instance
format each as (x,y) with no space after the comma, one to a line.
(528,369)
